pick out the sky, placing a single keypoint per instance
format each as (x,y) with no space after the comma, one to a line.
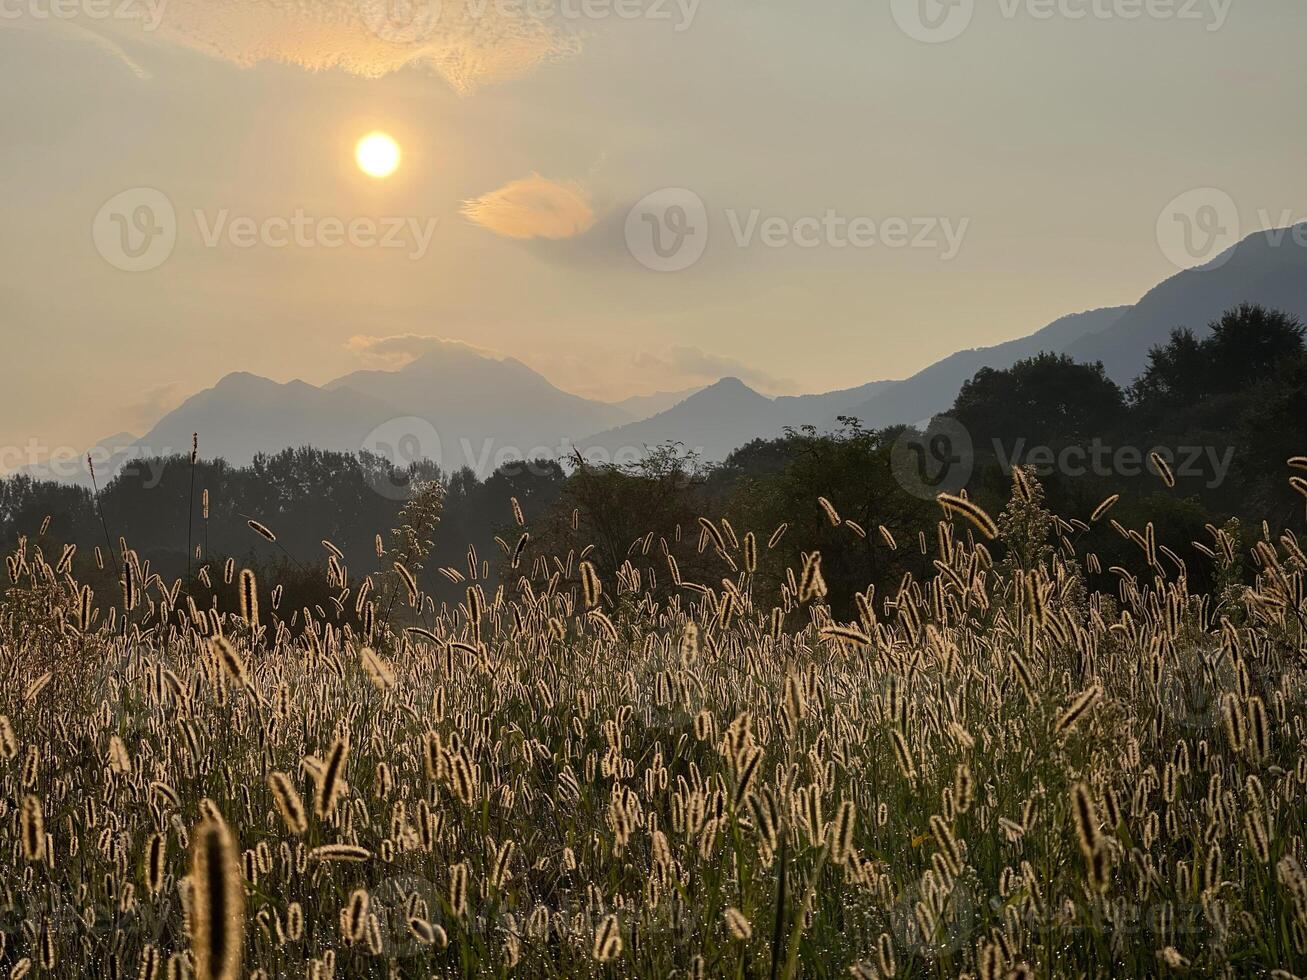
(627,195)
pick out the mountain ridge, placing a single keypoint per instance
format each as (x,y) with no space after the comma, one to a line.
(484,408)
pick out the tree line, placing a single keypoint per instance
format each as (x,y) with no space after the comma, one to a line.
(1224,413)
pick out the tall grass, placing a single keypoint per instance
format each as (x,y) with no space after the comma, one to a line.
(989,773)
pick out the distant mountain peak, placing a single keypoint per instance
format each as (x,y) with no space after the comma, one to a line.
(451,351)
(719,419)
(729,383)
(727,388)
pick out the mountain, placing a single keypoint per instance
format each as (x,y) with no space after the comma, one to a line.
(1269,267)
(933,389)
(643,406)
(722,417)
(65,467)
(244,414)
(819,409)
(484,409)
(479,410)
(712,422)
(454,404)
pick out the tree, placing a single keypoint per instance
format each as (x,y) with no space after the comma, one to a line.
(1270,432)
(852,468)
(1250,344)
(1047,400)
(1246,347)
(1176,374)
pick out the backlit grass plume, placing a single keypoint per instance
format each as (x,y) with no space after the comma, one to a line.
(218,902)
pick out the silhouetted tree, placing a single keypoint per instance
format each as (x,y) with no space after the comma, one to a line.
(1247,346)
(1048,400)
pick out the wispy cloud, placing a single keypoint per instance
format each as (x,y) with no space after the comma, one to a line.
(533,207)
(399,349)
(671,369)
(684,366)
(153,404)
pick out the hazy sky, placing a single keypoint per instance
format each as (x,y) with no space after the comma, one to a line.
(875,194)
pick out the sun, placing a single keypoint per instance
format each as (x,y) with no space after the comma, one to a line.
(378,155)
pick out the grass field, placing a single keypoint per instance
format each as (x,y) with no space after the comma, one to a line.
(991,773)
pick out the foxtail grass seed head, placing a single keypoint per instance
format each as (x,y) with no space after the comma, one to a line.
(218,898)
(409,582)
(608,940)
(249,596)
(289,804)
(591,587)
(962,507)
(1101,510)
(458,889)
(156,856)
(8,740)
(261,530)
(379,672)
(1078,708)
(1085,817)
(427,933)
(332,779)
(812,586)
(841,833)
(832,514)
(355,915)
(32,828)
(1162,469)
(737,925)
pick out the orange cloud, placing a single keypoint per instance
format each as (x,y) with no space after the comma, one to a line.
(468,42)
(533,207)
